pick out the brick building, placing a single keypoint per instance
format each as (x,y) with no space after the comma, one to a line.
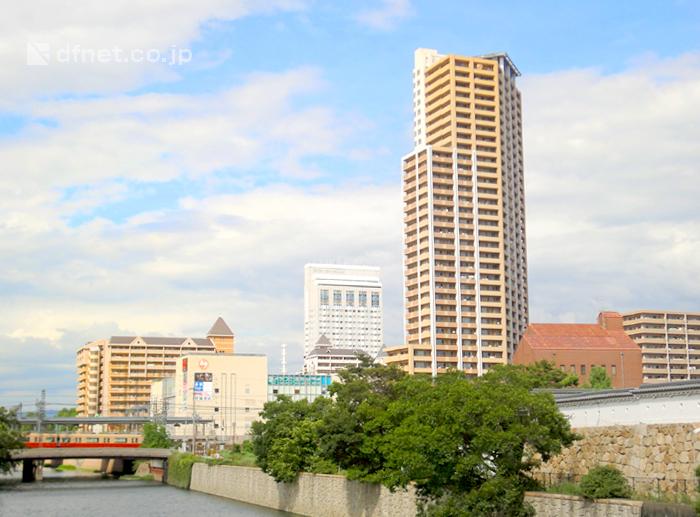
(576,348)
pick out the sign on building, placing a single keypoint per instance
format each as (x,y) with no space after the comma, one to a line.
(203,385)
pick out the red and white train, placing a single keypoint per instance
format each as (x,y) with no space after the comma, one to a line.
(82,439)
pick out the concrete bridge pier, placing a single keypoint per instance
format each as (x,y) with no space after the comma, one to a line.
(32,471)
(122,467)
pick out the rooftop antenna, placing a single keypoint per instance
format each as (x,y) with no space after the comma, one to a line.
(284,358)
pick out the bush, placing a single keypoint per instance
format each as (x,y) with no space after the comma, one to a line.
(605,482)
(180,469)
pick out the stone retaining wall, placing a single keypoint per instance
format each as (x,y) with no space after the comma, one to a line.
(557,505)
(654,457)
(312,494)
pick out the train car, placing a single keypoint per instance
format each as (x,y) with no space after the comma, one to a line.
(82,439)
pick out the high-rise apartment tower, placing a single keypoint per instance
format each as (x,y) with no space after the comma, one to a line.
(344,304)
(465,264)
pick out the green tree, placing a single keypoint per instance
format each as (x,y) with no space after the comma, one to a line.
(155,436)
(468,445)
(286,441)
(11,437)
(540,374)
(353,425)
(66,412)
(598,379)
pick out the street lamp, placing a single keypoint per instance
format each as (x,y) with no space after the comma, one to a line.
(622,367)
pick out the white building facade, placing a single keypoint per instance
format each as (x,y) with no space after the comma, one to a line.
(668,403)
(222,393)
(345,304)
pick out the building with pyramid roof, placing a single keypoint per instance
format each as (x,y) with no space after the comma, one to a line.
(115,374)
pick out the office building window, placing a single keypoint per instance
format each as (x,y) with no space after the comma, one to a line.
(324,296)
(572,368)
(583,369)
(337,297)
(375,299)
(350,298)
(362,299)
(613,370)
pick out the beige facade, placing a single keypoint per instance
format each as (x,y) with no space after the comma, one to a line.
(229,390)
(465,266)
(670,343)
(115,374)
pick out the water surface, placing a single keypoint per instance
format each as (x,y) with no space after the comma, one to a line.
(76,497)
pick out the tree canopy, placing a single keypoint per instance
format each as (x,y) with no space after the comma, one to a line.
(155,436)
(10,438)
(540,374)
(467,444)
(599,379)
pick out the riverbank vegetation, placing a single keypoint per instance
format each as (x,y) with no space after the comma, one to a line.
(466,444)
(180,463)
(180,468)
(10,438)
(155,436)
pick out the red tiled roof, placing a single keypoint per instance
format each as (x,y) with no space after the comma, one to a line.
(576,336)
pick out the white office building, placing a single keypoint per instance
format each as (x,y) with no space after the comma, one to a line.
(343,303)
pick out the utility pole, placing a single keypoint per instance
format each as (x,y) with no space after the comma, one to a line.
(41,411)
(194,424)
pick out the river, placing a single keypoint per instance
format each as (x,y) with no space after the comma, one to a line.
(84,497)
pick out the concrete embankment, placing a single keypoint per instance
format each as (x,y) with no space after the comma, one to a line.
(336,496)
(312,494)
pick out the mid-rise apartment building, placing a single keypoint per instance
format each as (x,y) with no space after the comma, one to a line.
(670,343)
(465,264)
(343,303)
(115,374)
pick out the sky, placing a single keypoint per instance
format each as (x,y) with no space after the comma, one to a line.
(163,163)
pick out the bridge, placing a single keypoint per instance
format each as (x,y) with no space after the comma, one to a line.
(53,453)
(33,459)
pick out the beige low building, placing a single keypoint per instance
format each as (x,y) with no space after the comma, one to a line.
(115,374)
(670,343)
(227,390)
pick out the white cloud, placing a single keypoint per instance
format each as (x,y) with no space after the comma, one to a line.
(613,178)
(172,272)
(387,15)
(67,28)
(160,137)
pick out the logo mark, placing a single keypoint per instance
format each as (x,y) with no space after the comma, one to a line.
(38,54)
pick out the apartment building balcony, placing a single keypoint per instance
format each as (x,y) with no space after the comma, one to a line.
(646,358)
(654,340)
